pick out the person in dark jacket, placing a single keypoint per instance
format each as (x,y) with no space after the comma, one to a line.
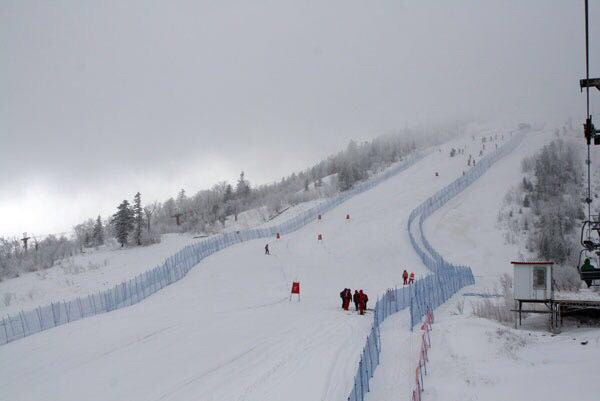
(587,266)
(355,298)
(405,277)
(346,296)
(267,249)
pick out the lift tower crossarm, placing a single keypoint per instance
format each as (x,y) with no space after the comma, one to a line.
(589,83)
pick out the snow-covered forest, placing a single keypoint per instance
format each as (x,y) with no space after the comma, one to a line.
(209,210)
(543,213)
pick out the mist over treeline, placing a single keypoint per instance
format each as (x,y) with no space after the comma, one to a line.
(207,211)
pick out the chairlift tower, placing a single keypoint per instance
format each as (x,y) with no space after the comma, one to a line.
(591,227)
(25,239)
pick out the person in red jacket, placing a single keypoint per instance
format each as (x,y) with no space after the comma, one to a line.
(412,278)
(405,277)
(362,302)
(346,296)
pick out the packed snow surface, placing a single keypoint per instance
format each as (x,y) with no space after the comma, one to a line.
(107,266)
(477,359)
(228,330)
(84,274)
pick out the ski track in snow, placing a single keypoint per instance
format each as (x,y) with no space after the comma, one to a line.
(225,332)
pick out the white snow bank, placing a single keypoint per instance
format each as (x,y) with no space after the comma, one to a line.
(85,274)
(478,359)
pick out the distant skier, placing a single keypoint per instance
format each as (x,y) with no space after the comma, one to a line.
(267,250)
(405,277)
(362,302)
(356,299)
(412,278)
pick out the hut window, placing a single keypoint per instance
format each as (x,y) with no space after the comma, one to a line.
(539,278)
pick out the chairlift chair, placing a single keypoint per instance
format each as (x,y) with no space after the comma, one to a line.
(589,276)
(591,225)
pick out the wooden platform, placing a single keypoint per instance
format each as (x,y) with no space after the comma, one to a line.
(557,309)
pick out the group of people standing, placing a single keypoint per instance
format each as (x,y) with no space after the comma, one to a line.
(359,298)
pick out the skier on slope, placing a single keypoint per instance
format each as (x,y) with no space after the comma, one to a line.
(267,249)
(405,277)
(355,298)
(412,278)
(362,302)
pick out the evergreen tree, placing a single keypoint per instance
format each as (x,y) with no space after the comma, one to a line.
(526,201)
(98,233)
(228,195)
(138,218)
(306,185)
(346,176)
(123,222)
(181,200)
(87,240)
(242,189)
(228,202)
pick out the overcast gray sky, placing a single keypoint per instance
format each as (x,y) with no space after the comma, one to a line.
(101,99)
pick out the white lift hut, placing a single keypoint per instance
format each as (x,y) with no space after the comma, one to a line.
(533,285)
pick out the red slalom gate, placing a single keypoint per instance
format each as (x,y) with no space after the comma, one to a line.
(295,290)
(421,369)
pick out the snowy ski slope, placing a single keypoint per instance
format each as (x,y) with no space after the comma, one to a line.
(227,331)
(478,359)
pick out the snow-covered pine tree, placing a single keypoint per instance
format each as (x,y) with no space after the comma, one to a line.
(138,218)
(345,175)
(123,222)
(242,189)
(98,234)
(242,195)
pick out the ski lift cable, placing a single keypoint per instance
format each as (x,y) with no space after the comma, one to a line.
(588,116)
